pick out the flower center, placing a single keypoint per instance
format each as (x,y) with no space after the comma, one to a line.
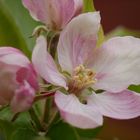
(82,78)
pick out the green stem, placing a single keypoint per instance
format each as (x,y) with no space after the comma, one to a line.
(88,6)
(42,96)
(47,110)
(35,118)
(15,117)
(53,121)
(52,44)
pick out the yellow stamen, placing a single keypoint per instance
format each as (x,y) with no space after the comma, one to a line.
(81,78)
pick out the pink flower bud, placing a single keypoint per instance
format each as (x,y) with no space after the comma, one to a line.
(54,13)
(18,80)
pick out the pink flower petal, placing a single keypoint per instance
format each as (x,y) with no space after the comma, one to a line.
(23,98)
(37,9)
(28,74)
(78,40)
(12,56)
(123,105)
(7,82)
(77,114)
(45,65)
(78,6)
(8,50)
(53,12)
(117,64)
(66,10)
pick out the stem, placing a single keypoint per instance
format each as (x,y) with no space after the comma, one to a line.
(53,44)
(15,117)
(50,43)
(34,117)
(53,121)
(47,110)
(42,96)
(54,118)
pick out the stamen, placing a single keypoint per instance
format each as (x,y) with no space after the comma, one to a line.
(81,78)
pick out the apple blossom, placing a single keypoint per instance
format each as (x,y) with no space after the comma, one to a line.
(85,69)
(54,13)
(18,80)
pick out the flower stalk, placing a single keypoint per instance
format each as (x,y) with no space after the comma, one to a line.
(35,119)
(47,110)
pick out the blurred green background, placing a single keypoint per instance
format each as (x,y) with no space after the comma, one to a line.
(16,26)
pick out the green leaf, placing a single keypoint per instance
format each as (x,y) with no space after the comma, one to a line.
(135,88)
(14,130)
(23,134)
(6,129)
(62,131)
(88,133)
(88,6)
(16,26)
(5,113)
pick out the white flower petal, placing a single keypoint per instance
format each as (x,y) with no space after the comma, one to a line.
(123,105)
(117,64)
(45,65)
(77,114)
(78,40)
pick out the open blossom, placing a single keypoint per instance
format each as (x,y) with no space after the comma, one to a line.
(18,80)
(86,68)
(55,14)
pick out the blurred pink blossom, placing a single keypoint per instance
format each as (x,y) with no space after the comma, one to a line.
(86,68)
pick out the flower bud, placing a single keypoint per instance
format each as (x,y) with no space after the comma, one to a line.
(54,13)
(18,80)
